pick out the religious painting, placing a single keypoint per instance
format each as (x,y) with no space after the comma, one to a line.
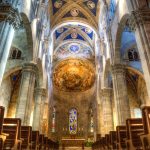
(91,4)
(73,121)
(74,12)
(58,4)
(74,75)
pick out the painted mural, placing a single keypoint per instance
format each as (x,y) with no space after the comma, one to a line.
(74,31)
(74,75)
(74,49)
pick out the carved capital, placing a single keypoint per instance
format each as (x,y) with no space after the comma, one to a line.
(41,92)
(30,67)
(106,92)
(10,14)
(118,69)
(139,17)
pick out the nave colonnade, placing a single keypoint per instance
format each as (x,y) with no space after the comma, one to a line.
(119,59)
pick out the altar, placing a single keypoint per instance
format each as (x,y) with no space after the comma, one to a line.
(72,142)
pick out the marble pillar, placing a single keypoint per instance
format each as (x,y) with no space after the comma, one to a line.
(25,99)
(10,20)
(107,110)
(39,106)
(120,94)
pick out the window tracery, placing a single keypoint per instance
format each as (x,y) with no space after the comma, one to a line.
(15,53)
(133,55)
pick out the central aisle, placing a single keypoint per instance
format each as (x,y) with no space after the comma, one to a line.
(76,148)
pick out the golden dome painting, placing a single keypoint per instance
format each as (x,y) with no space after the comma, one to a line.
(74,75)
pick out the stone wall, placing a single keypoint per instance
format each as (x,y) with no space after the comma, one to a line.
(81,102)
(5,93)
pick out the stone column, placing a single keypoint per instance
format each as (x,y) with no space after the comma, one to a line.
(107,110)
(139,23)
(26,92)
(9,21)
(120,94)
(40,97)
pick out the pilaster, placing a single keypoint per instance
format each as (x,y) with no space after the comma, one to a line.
(38,116)
(25,99)
(120,93)
(107,109)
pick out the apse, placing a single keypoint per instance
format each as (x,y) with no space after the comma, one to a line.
(74,75)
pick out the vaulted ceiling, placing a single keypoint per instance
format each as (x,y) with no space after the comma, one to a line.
(74,24)
(74,10)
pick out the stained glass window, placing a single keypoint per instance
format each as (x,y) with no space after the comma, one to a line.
(53,119)
(91,122)
(73,121)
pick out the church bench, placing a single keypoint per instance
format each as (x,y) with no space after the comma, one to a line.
(145,137)
(53,145)
(107,141)
(103,143)
(96,145)
(26,135)
(45,143)
(113,138)
(134,129)
(121,135)
(2,135)
(41,141)
(50,144)
(12,127)
(35,140)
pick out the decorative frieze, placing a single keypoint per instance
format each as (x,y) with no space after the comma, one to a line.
(30,67)
(10,14)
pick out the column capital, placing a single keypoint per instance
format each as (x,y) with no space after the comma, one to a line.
(30,67)
(41,91)
(118,69)
(10,15)
(138,17)
(106,91)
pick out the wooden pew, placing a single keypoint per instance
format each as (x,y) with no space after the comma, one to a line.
(35,140)
(107,141)
(12,126)
(95,145)
(26,135)
(50,144)
(145,138)
(103,143)
(45,143)
(41,142)
(113,138)
(134,128)
(121,135)
(2,135)
(53,145)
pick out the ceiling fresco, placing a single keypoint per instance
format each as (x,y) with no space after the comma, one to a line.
(62,10)
(74,49)
(74,75)
(74,32)
(74,24)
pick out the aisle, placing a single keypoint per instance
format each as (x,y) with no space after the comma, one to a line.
(75,148)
